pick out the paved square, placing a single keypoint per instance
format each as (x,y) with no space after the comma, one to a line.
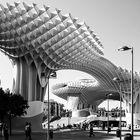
(74,135)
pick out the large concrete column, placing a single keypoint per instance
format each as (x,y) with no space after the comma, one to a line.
(72,102)
(136,105)
(32,85)
(28,82)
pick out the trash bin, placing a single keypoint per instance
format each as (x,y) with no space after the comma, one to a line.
(127,136)
(51,134)
(118,132)
(109,129)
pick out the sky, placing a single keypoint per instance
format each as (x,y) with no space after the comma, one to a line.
(115,22)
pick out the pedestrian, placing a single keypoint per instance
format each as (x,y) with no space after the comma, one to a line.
(29,131)
(1,130)
(26,130)
(91,131)
(5,131)
(103,126)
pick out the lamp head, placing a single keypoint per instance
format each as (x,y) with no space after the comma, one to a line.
(109,94)
(53,74)
(116,79)
(124,48)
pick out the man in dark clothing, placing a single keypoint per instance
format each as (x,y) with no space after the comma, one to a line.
(26,130)
(5,131)
(91,131)
(29,131)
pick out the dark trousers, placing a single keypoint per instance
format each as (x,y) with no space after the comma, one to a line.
(28,135)
(91,133)
(6,137)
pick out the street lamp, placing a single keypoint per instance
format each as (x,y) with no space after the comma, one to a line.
(52,75)
(107,95)
(125,48)
(120,92)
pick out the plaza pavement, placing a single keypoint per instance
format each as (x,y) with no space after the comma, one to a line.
(73,135)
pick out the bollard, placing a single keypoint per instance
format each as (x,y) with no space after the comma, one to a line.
(118,132)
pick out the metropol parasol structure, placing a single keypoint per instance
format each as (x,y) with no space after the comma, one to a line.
(40,41)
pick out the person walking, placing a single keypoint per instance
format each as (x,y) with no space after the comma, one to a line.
(26,130)
(91,131)
(5,131)
(1,129)
(29,131)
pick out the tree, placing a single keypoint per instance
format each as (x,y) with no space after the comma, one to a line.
(17,107)
(12,105)
(4,98)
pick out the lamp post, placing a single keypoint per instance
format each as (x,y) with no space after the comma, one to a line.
(125,48)
(107,95)
(120,92)
(52,75)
